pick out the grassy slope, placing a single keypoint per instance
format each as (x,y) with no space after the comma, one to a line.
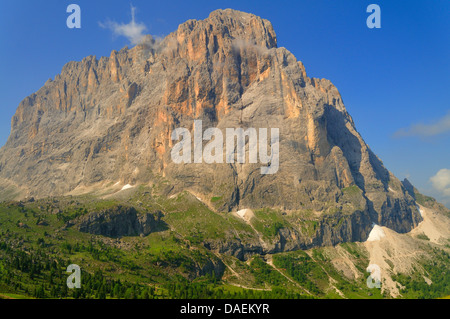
(171,262)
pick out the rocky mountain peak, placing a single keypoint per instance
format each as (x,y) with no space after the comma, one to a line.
(224,26)
(109,121)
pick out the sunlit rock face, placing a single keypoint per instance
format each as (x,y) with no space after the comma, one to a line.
(109,119)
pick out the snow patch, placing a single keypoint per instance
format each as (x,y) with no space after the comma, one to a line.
(116,183)
(126,187)
(246,214)
(420,210)
(376,233)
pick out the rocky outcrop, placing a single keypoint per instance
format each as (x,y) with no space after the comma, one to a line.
(109,119)
(118,221)
(329,231)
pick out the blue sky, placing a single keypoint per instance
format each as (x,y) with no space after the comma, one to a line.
(394,81)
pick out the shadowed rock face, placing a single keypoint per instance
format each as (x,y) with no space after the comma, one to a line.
(111,119)
(118,221)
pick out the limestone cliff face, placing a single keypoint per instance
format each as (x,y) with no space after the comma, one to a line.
(111,119)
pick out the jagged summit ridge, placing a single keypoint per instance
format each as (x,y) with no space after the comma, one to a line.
(230,24)
(110,119)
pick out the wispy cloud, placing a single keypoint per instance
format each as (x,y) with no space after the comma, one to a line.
(426,130)
(133,31)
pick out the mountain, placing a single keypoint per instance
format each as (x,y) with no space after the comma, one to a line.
(110,120)
(88,174)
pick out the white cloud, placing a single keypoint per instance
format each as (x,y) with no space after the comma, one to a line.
(133,30)
(441,181)
(426,130)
